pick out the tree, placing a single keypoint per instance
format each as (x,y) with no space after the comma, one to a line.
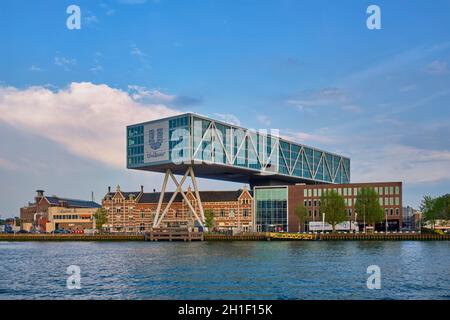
(100,217)
(429,210)
(333,206)
(368,205)
(209,218)
(442,207)
(301,213)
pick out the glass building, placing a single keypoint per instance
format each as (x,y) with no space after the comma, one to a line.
(219,150)
(271,209)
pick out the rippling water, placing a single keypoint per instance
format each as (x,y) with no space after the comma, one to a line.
(225,270)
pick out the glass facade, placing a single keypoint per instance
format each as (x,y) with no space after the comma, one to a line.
(271,213)
(192,137)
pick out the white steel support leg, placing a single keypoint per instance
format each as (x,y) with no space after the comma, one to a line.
(161,198)
(197,194)
(179,189)
(166,209)
(187,200)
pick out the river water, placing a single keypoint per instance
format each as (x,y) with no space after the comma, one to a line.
(225,270)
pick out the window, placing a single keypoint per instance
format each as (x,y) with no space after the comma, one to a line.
(386,201)
(315,203)
(396,211)
(345,191)
(309,193)
(222,213)
(381,201)
(386,190)
(231,213)
(315,192)
(391,190)
(397,190)
(245,213)
(142,215)
(305,203)
(380,191)
(349,191)
(397,201)
(392,212)
(355,191)
(310,202)
(391,201)
(320,192)
(305,193)
(309,212)
(386,211)
(349,201)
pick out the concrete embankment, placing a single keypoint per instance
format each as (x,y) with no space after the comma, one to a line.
(262,236)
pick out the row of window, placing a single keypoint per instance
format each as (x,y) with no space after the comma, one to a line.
(70,217)
(350,212)
(349,202)
(388,190)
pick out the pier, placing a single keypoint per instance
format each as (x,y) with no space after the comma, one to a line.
(173,235)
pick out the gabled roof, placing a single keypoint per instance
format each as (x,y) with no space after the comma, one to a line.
(205,196)
(72,203)
(125,194)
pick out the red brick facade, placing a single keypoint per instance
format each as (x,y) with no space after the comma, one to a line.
(135,211)
(390,197)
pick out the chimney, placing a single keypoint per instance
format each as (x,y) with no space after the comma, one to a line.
(142,188)
(109,189)
(154,190)
(39,195)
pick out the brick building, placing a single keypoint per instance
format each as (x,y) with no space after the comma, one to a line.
(275,206)
(36,214)
(134,211)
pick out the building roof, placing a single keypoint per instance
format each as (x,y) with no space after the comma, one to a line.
(205,196)
(73,203)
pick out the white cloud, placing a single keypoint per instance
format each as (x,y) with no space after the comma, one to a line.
(263,119)
(156,96)
(303,137)
(64,63)
(436,68)
(322,98)
(35,68)
(402,163)
(88,120)
(90,19)
(8,165)
(135,51)
(229,118)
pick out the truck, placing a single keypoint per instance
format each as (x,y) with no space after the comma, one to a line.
(317,226)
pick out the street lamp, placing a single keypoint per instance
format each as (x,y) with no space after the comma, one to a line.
(386,223)
(323,222)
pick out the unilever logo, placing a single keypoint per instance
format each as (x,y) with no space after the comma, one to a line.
(155,143)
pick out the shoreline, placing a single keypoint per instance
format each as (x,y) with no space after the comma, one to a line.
(241,237)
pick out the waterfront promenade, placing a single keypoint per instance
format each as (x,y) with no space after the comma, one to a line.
(257,236)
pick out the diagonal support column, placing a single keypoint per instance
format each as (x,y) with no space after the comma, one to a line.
(179,185)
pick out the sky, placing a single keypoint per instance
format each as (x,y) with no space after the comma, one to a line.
(311,69)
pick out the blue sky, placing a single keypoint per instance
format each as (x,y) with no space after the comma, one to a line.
(309,68)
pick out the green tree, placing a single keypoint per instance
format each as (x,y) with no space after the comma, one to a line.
(100,217)
(301,213)
(442,207)
(368,206)
(333,206)
(209,218)
(429,208)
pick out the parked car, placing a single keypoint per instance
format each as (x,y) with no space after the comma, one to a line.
(22,231)
(61,231)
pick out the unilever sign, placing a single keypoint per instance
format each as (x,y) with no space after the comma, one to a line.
(156,137)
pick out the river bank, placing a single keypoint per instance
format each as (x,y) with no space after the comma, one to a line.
(261,236)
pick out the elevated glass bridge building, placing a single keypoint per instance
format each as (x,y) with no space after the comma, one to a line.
(219,150)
